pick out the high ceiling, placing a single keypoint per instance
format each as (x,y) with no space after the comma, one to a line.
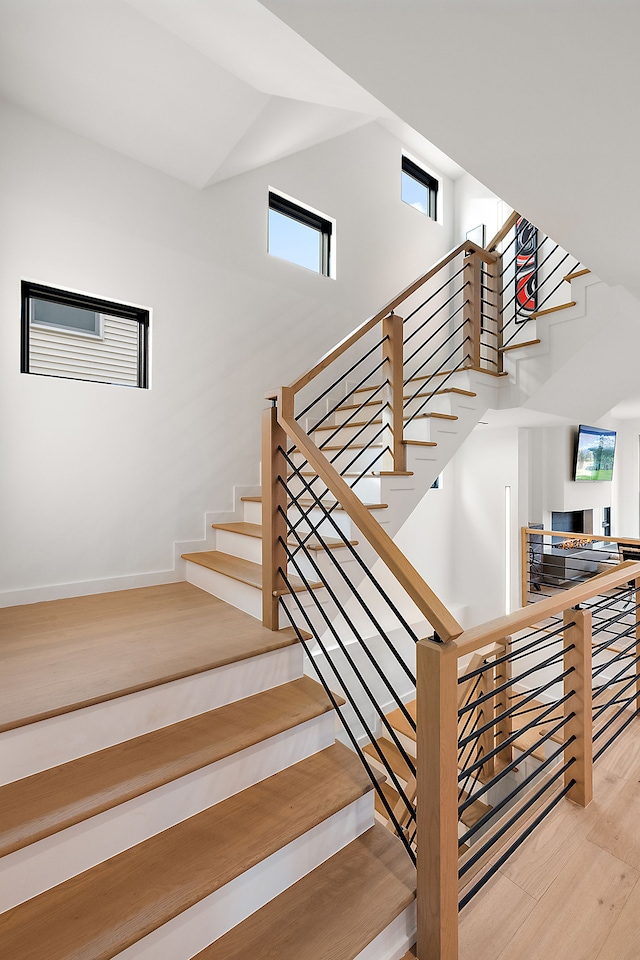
(199,89)
(539,100)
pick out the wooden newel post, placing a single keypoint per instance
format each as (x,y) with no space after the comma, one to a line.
(274,527)
(580,725)
(393,394)
(437,800)
(472,312)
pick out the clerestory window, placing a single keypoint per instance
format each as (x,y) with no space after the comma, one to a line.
(419,188)
(299,235)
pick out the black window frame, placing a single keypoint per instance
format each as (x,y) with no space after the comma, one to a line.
(427,180)
(294,211)
(110,308)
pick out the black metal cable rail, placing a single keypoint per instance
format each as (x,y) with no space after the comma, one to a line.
(508,741)
(617,733)
(342,377)
(341,426)
(354,553)
(511,263)
(616,698)
(444,363)
(353,739)
(493,869)
(415,374)
(358,387)
(305,512)
(513,765)
(430,298)
(517,790)
(521,676)
(356,633)
(334,506)
(365,687)
(541,303)
(620,655)
(437,331)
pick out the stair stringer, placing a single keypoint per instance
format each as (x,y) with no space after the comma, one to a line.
(574,347)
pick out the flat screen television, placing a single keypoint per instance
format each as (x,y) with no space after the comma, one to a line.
(595,448)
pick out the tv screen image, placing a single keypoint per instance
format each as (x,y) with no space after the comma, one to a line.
(594,453)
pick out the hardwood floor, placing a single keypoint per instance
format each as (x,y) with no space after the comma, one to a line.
(572,890)
(71,653)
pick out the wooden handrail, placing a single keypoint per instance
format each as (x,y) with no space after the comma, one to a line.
(467,247)
(477,637)
(587,537)
(508,225)
(420,592)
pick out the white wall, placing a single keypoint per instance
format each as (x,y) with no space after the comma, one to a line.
(476,204)
(98,481)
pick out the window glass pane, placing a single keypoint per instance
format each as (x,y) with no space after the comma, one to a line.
(295,241)
(414,193)
(60,315)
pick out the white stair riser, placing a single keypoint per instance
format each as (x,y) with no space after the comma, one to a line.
(367,487)
(252,511)
(395,940)
(352,434)
(353,461)
(239,545)
(47,743)
(336,525)
(202,924)
(438,403)
(364,413)
(40,866)
(242,595)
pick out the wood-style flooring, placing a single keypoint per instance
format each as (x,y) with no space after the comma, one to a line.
(572,890)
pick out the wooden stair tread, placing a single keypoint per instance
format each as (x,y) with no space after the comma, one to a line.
(329,503)
(54,799)
(335,911)
(408,396)
(392,755)
(73,653)
(516,346)
(400,723)
(543,313)
(576,273)
(392,796)
(241,527)
(245,571)
(374,423)
(255,530)
(303,501)
(104,910)
(474,812)
(420,443)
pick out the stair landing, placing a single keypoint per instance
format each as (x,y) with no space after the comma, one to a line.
(72,653)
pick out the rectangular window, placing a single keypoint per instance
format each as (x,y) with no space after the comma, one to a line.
(66,334)
(299,235)
(419,188)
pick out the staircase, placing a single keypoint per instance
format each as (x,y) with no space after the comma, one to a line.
(172,786)
(172,789)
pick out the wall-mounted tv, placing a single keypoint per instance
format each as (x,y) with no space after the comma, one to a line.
(595,448)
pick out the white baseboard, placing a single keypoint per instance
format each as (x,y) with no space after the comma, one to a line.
(85,588)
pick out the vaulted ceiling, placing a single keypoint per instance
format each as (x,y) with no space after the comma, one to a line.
(199,89)
(538,99)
